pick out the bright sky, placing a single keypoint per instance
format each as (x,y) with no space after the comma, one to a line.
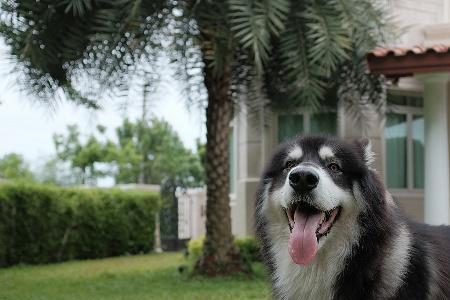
(27,127)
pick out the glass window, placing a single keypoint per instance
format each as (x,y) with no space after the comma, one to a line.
(323,123)
(418,139)
(412,101)
(396,150)
(289,126)
(405,142)
(317,123)
(396,99)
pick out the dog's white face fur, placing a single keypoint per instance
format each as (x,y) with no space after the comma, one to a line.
(335,190)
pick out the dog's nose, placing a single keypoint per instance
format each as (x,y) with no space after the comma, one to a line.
(303,180)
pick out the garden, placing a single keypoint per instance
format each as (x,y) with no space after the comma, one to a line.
(71,243)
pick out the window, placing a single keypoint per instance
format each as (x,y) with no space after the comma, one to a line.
(396,135)
(418,140)
(290,125)
(405,142)
(323,123)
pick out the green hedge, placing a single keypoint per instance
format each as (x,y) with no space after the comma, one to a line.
(248,247)
(42,224)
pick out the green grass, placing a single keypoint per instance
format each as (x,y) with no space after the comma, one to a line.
(153,276)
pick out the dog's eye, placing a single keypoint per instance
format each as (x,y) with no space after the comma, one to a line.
(289,164)
(334,167)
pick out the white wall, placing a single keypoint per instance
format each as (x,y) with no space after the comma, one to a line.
(411,16)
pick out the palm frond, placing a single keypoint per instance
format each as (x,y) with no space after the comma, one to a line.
(303,83)
(52,42)
(361,93)
(322,48)
(77,7)
(330,42)
(298,48)
(254,22)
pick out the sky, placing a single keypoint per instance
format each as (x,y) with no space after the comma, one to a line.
(27,127)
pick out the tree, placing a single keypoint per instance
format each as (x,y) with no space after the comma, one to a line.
(291,51)
(13,166)
(151,152)
(155,150)
(83,157)
(53,171)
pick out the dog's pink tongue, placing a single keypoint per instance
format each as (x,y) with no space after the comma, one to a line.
(303,243)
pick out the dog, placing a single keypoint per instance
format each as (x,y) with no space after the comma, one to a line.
(329,229)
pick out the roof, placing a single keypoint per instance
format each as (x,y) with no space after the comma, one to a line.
(402,62)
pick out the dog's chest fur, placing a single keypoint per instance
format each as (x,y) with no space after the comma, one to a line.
(315,281)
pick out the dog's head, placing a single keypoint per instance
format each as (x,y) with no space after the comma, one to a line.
(309,188)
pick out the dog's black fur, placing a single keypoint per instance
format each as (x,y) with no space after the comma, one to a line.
(427,273)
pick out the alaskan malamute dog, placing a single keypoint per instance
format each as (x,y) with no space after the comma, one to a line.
(330,230)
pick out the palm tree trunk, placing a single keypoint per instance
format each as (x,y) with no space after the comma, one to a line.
(220,255)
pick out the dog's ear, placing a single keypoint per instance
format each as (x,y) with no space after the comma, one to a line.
(364,148)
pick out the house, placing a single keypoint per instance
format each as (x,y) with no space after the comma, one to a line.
(417,114)
(431,66)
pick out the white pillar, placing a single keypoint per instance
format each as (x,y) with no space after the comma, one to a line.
(436,97)
(251,149)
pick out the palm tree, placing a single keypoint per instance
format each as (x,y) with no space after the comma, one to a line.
(294,52)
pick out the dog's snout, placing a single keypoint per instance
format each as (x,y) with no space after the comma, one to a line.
(303,180)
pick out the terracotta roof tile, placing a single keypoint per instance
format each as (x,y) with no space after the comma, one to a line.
(401,51)
(402,61)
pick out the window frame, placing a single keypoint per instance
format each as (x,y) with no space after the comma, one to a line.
(410,112)
(306,113)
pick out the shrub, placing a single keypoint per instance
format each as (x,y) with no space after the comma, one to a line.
(248,247)
(41,224)
(195,248)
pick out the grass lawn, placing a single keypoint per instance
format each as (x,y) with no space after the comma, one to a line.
(153,276)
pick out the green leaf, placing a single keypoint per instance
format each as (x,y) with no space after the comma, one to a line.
(255,22)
